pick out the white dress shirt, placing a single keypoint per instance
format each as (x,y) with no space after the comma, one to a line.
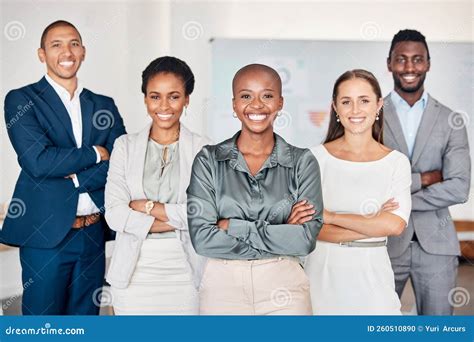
(85,206)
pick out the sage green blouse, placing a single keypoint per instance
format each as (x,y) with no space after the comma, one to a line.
(258,206)
(161,177)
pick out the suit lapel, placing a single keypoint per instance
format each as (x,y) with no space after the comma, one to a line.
(430,116)
(53,100)
(394,126)
(87,109)
(137,163)
(186,149)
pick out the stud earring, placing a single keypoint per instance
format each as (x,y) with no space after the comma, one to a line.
(234,114)
(337,118)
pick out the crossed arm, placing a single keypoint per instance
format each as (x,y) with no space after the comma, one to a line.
(349,227)
(390,220)
(235,238)
(41,158)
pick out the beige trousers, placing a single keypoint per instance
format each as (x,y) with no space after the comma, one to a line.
(277,286)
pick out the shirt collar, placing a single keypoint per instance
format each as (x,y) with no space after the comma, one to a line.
(61,91)
(281,154)
(398,100)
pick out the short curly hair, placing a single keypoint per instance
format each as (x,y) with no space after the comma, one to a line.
(168,64)
(408,36)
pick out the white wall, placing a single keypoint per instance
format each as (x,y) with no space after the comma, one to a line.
(121,38)
(124,36)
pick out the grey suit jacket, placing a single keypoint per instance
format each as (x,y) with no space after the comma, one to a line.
(440,145)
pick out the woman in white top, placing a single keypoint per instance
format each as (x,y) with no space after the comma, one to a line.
(154,268)
(366,195)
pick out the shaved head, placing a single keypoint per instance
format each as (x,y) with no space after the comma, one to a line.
(254,70)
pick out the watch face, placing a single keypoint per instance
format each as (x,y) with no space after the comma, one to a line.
(149,205)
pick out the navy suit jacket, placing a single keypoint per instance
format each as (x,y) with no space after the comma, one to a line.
(44,202)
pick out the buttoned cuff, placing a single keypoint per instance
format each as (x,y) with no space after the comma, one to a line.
(238,228)
(97,161)
(75,180)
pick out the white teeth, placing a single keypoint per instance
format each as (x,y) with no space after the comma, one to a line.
(356,120)
(66,63)
(409,78)
(257,117)
(164,116)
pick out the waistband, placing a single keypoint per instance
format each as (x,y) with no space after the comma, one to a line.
(363,244)
(255,261)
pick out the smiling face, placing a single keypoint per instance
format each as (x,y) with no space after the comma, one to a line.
(257,99)
(357,105)
(165,99)
(409,64)
(63,53)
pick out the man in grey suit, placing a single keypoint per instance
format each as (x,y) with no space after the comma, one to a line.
(429,133)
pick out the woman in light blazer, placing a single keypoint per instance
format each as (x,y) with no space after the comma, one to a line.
(154,268)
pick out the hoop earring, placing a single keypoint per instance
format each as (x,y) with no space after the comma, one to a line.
(234,114)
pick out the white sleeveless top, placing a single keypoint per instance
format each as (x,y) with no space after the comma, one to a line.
(362,187)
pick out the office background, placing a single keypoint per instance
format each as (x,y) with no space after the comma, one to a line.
(122,37)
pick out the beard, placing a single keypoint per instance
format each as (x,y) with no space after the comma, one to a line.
(410,89)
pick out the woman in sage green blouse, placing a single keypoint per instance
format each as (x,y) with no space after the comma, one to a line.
(254,207)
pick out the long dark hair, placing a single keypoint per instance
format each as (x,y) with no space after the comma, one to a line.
(336,129)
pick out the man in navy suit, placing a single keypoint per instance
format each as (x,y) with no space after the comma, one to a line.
(63,135)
